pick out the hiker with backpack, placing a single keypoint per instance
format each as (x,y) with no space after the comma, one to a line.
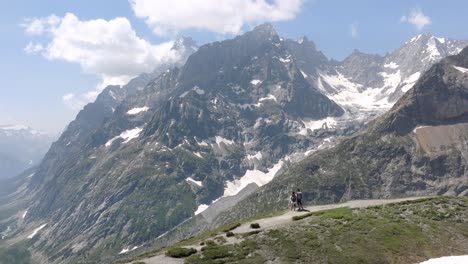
(293,201)
(299,200)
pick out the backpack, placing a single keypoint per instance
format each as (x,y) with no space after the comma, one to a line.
(293,198)
(299,195)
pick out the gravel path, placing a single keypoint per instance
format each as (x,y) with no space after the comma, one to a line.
(162,259)
(286,218)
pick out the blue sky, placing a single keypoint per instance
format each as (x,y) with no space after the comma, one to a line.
(36,84)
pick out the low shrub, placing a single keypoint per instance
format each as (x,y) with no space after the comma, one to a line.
(255,225)
(180,252)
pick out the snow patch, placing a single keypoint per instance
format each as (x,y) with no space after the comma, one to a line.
(328,122)
(251,176)
(184,94)
(283,60)
(255,82)
(415,38)
(24,214)
(126,135)
(111,93)
(201,208)
(268,97)
(137,110)
(203,143)
(410,81)
(198,154)
(257,156)
(349,93)
(441,40)
(126,250)
(304,74)
(220,140)
(447,260)
(199,183)
(36,231)
(432,50)
(391,65)
(391,80)
(198,90)
(461,69)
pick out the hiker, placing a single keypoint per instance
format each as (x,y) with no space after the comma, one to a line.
(299,200)
(293,201)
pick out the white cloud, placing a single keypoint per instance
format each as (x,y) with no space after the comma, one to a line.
(417,18)
(353,28)
(109,49)
(33,47)
(37,26)
(227,16)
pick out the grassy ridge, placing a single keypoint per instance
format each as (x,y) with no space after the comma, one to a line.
(406,232)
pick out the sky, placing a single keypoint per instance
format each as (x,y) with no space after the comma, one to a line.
(58,55)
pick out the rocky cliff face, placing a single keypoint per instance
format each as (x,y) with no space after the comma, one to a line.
(139,161)
(417,148)
(439,97)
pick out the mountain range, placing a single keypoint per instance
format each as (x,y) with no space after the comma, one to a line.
(419,147)
(21,147)
(194,141)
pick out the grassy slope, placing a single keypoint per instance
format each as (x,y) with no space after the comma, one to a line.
(406,232)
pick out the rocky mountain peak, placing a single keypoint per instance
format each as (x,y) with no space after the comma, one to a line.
(265,30)
(358,55)
(303,39)
(439,97)
(185,43)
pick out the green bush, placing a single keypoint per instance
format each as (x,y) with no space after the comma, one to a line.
(180,252)
(255,225)
(229,234)
(220,239)
(216,252)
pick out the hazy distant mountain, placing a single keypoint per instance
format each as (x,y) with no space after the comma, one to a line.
(21,147)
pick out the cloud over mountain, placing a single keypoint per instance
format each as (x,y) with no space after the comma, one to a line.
(227,16)
(109,49)
(417,18)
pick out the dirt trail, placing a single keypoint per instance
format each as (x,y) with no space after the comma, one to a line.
(286,218)
(267,223)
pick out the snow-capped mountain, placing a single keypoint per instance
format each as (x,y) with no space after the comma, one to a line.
(20,148)
(232,115)
(373,82)
(160,150)
(418,148)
